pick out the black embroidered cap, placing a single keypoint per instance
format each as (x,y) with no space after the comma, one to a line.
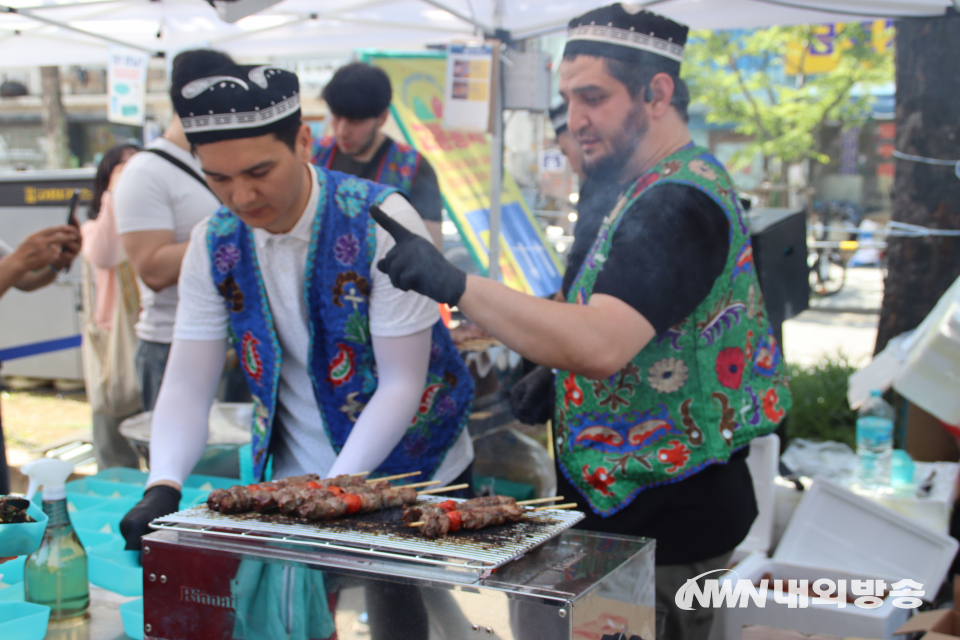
(628,33)
(558,118)
(237,102)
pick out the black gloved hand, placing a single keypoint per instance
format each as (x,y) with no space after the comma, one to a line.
(532,398)
(158,501)
(416,264)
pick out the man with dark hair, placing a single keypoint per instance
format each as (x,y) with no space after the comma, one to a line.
(347,372)
(666,363)
(159,198)
(359,97)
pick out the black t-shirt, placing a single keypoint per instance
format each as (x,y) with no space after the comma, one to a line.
(424,191)
(666,253)
(597,199)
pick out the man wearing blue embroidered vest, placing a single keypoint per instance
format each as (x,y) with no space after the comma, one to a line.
(359,97)
(666,364)
(347,372)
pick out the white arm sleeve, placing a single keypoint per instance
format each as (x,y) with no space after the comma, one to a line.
(402,364)
(178,434)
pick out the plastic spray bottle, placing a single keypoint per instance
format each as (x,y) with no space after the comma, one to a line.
(55,575)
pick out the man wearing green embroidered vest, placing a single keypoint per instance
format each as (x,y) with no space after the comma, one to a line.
(666,364)
(359,97)
(347,373)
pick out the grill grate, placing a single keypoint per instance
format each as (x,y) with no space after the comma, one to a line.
(382,534)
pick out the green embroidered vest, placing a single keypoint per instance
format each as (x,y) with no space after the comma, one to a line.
(698,391)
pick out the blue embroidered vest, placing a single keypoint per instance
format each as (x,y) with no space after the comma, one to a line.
(341,363)
(397,169)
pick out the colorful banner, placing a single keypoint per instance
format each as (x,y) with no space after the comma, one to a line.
(462,161)
(824,55)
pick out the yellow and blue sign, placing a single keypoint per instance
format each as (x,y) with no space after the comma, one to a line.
(823,56)
(462,162)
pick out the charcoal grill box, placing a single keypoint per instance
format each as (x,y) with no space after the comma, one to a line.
(576,584)
(836,534)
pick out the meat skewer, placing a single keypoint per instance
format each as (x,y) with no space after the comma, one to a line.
(289,500)
(366,502)
(436,522)
(238,498)
(448,516)
(483,501)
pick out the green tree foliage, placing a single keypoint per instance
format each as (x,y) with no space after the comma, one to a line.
(820,411)
(743,79)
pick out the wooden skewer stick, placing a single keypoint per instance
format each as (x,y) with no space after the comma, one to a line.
(425,483)
(396,477)
(362,473)
(539,500)
(453,487)
(568,505)
(416,524)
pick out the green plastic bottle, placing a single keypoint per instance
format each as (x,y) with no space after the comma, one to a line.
(55,575)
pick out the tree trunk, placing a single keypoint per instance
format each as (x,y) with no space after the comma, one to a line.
(54,120)
(928,125)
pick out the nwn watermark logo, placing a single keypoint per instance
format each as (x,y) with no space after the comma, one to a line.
(796,594)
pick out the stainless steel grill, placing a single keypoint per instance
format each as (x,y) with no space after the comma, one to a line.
(382,535)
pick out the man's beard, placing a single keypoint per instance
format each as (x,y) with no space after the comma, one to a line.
(610,166)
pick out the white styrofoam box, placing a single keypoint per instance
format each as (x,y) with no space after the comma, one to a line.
(762,461)
(819,616)
(786,499)
(931,375)
(833,527)
(740,559)
(889,367)
(835,534)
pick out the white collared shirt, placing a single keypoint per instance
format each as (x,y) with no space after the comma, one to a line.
(303,445)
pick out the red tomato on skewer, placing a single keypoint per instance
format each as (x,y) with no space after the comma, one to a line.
(353,502)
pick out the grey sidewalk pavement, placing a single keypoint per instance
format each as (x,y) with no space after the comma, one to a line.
(845,322)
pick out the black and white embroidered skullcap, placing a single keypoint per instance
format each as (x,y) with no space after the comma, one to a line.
(627,32)
(237,101)
(558,118)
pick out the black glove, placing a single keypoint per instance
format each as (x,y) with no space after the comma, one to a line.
(531,399)
(158,501)
(416,264)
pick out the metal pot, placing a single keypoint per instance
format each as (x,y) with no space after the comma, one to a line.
(229,430)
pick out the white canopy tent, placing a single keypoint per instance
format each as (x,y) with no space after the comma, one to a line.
(48,32)
(59,32)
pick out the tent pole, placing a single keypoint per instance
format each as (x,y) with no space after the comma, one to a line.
(64,25)
(496,150)
(496,173)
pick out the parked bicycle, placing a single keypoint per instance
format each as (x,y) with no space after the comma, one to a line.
(829,244)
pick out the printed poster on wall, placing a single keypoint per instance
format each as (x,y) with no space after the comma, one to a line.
(467,88)
(461,160)
(127,84)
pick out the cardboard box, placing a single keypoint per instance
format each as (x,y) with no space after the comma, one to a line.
(838,535)
(754,632)
(927,441)
(940,624)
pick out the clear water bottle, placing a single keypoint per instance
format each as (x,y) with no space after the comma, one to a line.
(874,443)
